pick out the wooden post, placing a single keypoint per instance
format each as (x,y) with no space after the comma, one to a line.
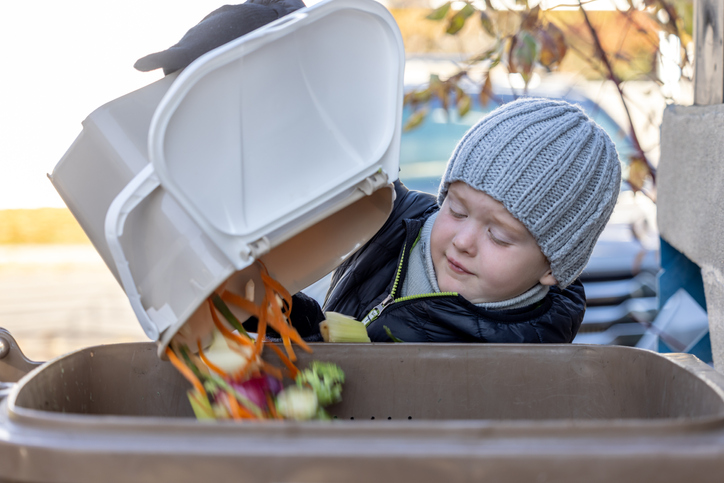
(689,181)
(709,54)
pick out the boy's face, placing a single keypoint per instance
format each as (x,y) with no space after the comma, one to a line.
(481,251)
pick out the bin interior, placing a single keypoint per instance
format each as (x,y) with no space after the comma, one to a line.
(405,382)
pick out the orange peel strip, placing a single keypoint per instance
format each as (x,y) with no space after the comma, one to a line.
(279,323)
(237,410)
(294,335)
(260,334)
(186,372)
(293,371)
(241,302)
(275,285)
(272,407)
(226,332)
(288,346)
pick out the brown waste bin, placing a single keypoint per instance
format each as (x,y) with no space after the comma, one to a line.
(411,412)
(171,233)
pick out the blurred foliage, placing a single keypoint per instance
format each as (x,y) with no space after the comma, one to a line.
(617,46)
(43,225)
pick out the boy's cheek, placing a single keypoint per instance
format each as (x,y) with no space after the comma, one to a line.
(440,230)
(438,240)
(504,270)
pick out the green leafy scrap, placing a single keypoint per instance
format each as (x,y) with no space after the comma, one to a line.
(389,334)
(325,378)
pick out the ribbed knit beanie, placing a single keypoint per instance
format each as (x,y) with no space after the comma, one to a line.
(552,167)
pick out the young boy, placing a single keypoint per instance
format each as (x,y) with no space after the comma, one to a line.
(495,258)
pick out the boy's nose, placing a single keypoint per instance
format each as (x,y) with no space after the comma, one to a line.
(465,240)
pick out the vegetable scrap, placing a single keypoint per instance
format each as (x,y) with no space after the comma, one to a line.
(231,380)
(342,328)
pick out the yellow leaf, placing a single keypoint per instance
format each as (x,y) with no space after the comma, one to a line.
(464,103)
(440,12)
(486,93)
(638,172)
(415,120)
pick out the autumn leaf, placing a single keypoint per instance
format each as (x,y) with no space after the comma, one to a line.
(457,22)
(440,89)
(418,96)
(523,53)
(553,46)
(487,24)
(436,86)
(466,11)
(444,99)
(415,119)
(548,49)
(440,12)
(422,95)
(530,19)
(511,62)
(464,103)
(486,92)
(638,172)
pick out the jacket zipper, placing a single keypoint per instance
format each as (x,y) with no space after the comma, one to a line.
(390,299)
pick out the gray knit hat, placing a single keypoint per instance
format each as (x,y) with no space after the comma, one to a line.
(552,167)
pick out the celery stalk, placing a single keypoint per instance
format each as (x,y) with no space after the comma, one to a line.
(341,328)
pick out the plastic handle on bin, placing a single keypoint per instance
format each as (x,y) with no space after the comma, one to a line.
(287,20)
(5,387)
(4,347)
(13,363)
(142,185)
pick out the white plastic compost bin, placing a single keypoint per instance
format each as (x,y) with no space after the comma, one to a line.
(280,146)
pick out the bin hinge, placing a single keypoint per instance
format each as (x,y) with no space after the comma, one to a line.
(256,249)
(374,182)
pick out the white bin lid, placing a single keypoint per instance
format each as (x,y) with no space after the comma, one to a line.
(271,129)
(279,146)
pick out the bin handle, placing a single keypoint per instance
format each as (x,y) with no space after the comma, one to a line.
(142,185)
(13,363)
(286,20)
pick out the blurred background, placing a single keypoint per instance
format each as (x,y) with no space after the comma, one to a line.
(623,61)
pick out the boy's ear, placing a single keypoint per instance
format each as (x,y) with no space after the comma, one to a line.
(548,279)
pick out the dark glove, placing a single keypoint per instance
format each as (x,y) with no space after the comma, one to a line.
(217,28)
(305,317)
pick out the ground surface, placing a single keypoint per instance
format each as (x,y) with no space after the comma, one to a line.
(58,298)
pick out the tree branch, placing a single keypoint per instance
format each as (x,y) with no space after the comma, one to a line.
(617,82)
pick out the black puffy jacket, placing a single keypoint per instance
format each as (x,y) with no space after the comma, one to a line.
(367,278)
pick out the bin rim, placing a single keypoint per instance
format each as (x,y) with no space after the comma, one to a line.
(461,427)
